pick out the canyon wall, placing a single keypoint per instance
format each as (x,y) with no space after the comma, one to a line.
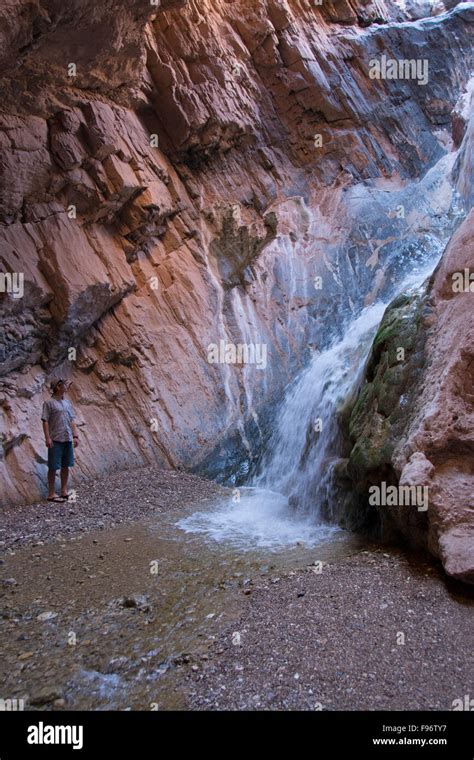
(181,173)
(413,421)
(411,424)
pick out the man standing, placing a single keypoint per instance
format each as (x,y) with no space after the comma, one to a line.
(60,433)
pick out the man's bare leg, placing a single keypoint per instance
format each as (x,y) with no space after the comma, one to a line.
(51,483)
(64,479)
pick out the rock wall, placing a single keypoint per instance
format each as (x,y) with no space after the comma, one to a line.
(413,421)
(177,174)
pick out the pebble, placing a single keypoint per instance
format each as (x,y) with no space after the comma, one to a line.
(46,616)
(134,600)
(117,664)
(46,695)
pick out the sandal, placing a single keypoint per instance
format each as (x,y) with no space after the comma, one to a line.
(58,499)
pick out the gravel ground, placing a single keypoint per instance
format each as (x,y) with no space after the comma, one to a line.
(379,629)
(333,641)
(127,495)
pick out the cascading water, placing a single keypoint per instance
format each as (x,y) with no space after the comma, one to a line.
(283,504)
(298,460)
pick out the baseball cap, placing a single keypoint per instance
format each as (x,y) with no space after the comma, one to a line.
(57,382)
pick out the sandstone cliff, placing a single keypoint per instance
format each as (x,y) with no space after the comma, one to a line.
(180,173)
(413,421)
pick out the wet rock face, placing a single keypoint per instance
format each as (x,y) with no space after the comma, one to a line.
(412,423)
(178,174)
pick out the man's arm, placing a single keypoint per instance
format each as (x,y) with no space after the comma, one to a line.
(45,418)
(75,434)
(47,436)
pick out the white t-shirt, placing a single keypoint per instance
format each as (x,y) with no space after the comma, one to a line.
(58,414)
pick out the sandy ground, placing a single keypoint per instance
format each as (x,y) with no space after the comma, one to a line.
(372,628)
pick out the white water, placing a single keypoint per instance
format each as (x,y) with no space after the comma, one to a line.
(284,505)
(261,518)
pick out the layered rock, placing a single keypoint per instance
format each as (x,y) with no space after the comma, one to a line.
(177,174)
(413,421)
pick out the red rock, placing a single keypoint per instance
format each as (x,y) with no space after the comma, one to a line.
(442,428)
(230,216)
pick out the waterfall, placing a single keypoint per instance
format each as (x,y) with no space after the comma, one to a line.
(283,504)
(297,462)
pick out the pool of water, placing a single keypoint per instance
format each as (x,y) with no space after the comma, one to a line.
(192,566)
(257,518)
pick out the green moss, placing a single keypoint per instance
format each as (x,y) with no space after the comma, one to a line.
(377,420)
